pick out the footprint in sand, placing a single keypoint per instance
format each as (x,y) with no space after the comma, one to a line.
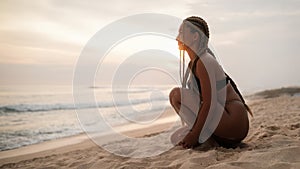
(294,126)
(273,128)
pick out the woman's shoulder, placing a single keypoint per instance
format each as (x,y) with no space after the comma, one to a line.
(211,65)
(207,58)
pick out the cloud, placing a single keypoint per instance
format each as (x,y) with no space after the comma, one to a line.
(231,15)
(25,47)
(41,29)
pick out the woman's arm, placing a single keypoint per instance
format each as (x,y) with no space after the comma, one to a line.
(205,73)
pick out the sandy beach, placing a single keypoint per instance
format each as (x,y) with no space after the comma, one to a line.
(273,142)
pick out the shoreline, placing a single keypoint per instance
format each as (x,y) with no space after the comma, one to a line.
(42,148)
(82,140)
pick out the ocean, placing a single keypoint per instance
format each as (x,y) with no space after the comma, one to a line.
(33,114)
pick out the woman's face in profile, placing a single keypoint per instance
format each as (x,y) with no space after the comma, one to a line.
(184,37)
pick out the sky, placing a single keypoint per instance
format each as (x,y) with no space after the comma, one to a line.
(256,41)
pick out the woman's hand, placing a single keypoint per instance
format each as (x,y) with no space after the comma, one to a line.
(190,140)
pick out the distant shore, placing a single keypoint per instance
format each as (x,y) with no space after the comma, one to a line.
(271,93)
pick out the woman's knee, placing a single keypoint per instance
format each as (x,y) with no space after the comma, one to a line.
(174,94)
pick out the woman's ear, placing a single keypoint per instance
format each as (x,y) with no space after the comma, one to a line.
(196,36)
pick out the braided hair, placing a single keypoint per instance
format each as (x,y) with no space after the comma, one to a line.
(199,23)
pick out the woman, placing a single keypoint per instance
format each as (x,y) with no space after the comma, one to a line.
(209,93)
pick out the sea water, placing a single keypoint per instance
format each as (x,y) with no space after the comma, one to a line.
(33,114)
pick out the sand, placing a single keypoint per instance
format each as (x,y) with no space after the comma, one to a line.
(273,142)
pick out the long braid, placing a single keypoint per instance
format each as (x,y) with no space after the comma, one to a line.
(238,92)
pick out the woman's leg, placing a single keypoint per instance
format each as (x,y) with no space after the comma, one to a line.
(234,123)
(186,104)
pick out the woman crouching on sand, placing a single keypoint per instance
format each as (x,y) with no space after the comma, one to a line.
(208,102)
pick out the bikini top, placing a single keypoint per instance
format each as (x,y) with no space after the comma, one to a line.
(220,84)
